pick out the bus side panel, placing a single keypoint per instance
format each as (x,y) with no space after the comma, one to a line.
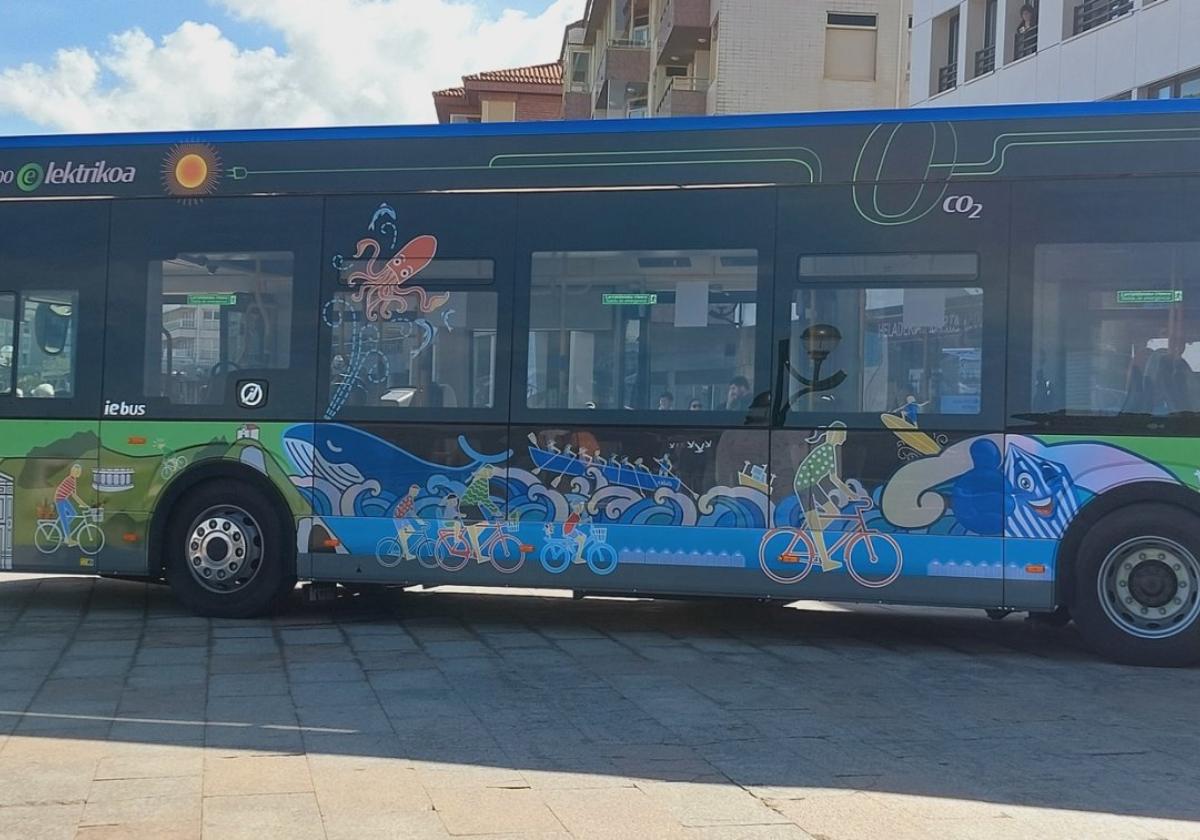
(901,514)
(1049,479)
(141,459)
(52,278)
(400,502)
(580,509)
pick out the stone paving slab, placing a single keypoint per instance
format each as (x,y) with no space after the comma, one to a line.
(454,714)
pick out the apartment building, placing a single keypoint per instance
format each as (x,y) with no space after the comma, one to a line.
(514,94)
(638,58)
(967,52)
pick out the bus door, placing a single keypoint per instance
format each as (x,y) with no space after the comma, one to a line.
(889,366)
(52,276)
(640,388)
(209,355)
(1104,381)
(409,458)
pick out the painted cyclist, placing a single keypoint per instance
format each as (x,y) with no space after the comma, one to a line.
(818,474)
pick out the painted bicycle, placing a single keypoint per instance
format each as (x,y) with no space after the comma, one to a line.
(456,546)
(408,544)
(592,548)
(171,463)
(83,531)
(874,559)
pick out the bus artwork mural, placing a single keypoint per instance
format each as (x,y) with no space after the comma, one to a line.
(944,358)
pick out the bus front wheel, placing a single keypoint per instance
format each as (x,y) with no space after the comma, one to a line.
(1135,589)
(227,550)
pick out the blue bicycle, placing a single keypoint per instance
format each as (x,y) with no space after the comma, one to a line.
(559,553)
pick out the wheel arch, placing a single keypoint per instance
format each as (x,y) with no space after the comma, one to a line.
(192,478)
(1104,504)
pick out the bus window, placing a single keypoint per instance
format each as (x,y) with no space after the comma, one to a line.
(45,346)
(1114,329)
(216,314)
(8,304)
(442,359)
(642,330)
(886,333)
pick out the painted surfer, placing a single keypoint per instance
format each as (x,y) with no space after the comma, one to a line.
(910,412)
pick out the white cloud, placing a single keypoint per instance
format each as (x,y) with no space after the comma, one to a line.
(345,62)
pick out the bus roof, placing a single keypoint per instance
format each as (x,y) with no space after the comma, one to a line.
(609,127)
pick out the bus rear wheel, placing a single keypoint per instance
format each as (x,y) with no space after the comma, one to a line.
(227,552)
(1135,595)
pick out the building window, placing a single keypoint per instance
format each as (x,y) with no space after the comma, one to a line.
(985,57)
(945,38)
(1183,86)
(464,118)
(498,110)
(618,330)
(1025,35)
(851,43)
(579,70)
(1089,14)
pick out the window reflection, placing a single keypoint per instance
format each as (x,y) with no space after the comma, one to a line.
(7,327)
(46,344)
(1115,329)
(211,315)
(909,350)
(643,330)
(441,360)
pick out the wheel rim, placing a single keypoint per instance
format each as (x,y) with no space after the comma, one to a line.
(224,549)
(1148,587)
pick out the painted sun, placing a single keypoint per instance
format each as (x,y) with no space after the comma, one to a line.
(191,171)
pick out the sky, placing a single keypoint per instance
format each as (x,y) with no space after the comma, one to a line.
(128,65)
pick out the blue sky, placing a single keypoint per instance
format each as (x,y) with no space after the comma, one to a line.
(33,31)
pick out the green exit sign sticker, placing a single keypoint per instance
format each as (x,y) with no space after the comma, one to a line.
(630,299)
(1137,296)
(213,299)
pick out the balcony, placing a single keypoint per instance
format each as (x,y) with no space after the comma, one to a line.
(1025,43)
(621,62)
(985,60)
(947,78)
(683,28)
(683,96)
(1091,13)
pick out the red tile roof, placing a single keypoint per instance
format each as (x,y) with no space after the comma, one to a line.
(549,73)
(457,92)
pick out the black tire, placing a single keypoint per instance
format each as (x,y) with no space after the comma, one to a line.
(267,569)
(1150,555)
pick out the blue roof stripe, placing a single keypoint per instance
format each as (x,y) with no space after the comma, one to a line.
(597,127)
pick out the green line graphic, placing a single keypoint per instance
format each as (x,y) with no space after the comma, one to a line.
(793,155)
(934,182)
(1004,142)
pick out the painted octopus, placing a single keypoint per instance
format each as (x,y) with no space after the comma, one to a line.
(384,287)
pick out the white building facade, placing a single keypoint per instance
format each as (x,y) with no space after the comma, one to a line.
(974,52)
(641,58)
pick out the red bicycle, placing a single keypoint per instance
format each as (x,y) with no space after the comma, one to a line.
(874,559)
(456,546)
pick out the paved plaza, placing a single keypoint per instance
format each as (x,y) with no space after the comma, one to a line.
(462,714)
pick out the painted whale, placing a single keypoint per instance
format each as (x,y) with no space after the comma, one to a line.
(345,471)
